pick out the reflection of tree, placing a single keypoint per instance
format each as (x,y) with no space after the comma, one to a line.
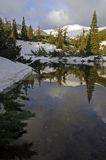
(38,66)
(61,70)
(22,151)
(90,78)
(12,126)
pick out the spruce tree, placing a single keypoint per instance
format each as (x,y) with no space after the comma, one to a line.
(51,38)
(14,30)
(2,36)
(93,42)
(60,39)
(24,30)
(7,28)
(30,33)
(38,34)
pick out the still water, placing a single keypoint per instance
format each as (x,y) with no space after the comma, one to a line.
(55,115)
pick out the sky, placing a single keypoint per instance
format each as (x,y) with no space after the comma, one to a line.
(54,13)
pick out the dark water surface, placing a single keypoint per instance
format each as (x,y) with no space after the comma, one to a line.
(59,115)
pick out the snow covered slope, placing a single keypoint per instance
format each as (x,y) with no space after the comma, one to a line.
(11,72)
(35,46)
(75,30)
(51,31)
(72,30)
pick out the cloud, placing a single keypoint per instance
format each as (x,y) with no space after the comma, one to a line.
(81,11)
(58,17)
(53,13)
(12,7)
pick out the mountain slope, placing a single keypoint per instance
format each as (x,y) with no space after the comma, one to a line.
(72,30)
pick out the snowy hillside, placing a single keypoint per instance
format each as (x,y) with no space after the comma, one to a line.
(75,30)
(27,46)
(72,30)
(11,72)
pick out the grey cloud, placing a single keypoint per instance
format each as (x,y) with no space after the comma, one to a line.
(39,12)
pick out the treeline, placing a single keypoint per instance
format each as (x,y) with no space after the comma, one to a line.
(84,45)
(8,48)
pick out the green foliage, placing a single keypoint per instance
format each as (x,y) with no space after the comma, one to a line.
(8,48)
(103,51)
(60,39)
(82,42)
(30,33)
(14,33)
(38,34)
(13,121)
(51,39)
(102,35)
(2,35)
(24,30)
(40,52)
(93,42)
(7,28)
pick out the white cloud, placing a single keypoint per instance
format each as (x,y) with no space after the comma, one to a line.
(54,13)
(58,17)
(12,7)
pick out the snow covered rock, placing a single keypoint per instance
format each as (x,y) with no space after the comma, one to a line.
(11,73)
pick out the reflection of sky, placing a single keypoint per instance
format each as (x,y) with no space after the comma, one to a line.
(65,122)
(99,102)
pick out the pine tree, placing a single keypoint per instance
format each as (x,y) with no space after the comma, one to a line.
(51,39)
(60,39)
(65,36)
(93,42)
(14,30)
(2,36)
(38,34)
(30,33)
(24,30)
(7,28)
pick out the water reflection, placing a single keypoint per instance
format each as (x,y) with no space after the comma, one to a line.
(63,74)
(12,125)
(70,122)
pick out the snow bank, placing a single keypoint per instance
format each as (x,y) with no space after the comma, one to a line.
(11,73)
(103,43)
(34,46)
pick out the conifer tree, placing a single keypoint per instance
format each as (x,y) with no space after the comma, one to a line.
(30,33)
(24,30)
(51,39)
(93,43)
(2,36)
(7,27)
(14,30)
(38,34)
(60,39)
(65,36)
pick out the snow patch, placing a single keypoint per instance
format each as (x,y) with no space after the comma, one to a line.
(11,73)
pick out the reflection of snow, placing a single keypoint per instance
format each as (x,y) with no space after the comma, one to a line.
(48,70)
(70,81)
